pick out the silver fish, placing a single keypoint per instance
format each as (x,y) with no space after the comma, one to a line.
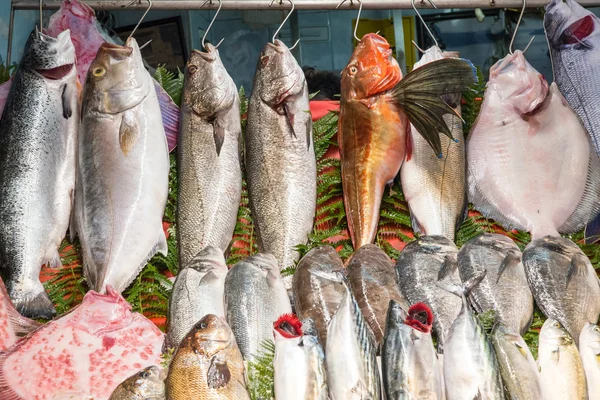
(518,367)
(210,175)
(123,169)
(255,297)
(38,139)
(148,384)
(436,188)
(374,283)
(561,370)
(198,290)
(420,265)
(471,370)
(411,368)
(563,282)
(589,349)
(279,156)
(504,289)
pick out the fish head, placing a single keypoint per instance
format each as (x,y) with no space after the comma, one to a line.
(372,69)
(209,336)
(420,317)
(147,383)
(555,334)
(51,57)
(568,25)
(396,314)
(210,259)
(208,87)
(287,326)
(278,75)
(517,83)
(590,336)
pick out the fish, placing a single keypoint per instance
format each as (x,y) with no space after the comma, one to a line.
(209,170)
(555,191)
(436,188)
(373,280)
(207,364)
(504,290)
(376,106)
(410,364)
(316,297)
(561,370)
(351,352)
(123,170)
(420,265)
(198,291)
(518,368)
(299,362)
(101,336)
(255,297)
(147,384)
(13,325)
(471,370)
(563,282)
(279,156)
(38,139)
(589,350)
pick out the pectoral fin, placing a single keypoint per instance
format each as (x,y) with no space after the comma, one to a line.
(450,264)
(68,94)
(290,116)
(218,374)
(512,259)
(128,132)
(218,134)
(578,267)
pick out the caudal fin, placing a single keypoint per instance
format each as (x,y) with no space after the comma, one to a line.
(170,115)
(35,303)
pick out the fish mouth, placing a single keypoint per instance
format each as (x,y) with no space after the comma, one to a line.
(117,52)
(56,73)
(278,46)
(210,53)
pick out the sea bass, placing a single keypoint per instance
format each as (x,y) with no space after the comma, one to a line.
(411,368)
(299,363)
(209,169)
(555,190)
(375,109)
(421,264)
(563,282)
(255,297)
(436,188)
(315,296)
(589,349)
(90,350)
(198,290)
(12,324)
(518,367)
(281,168)
(471,370)
(147,384)
(207,365)
(561,370)
(123,169)
(504,289)
(38,139)
(374,283)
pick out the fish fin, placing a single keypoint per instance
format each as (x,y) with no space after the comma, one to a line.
(450,264)
(309,128)
(418,94)
(170,115)
(465,288)
(218,374)
(72,216)
(478,396)
(218,134)
(290,117)
(67,94)
(578,267)
(555,355)
(7,393)
(128,132)
(512,259)
(524,352)
(21,325)
(592,231)
(161,245)
(463,216)
(409,143)
(452,99)
(53,259)
(36,303)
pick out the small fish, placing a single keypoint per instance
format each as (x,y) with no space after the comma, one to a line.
(374,283)
(148,384)
(299,362)
(421,264)
(471,370)
(316,297)
(589,349)
(561,370)
(519,370)
(255,297)
(563,282)
(504,289)
(411,368)
(198,290)
(207,364)
(12,324)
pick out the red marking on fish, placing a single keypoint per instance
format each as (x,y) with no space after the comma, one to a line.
(420,317)
(288,326)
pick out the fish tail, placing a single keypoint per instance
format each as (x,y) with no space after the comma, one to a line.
(170,115)
(35,303)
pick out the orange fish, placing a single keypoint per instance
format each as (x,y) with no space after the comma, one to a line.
(376,109)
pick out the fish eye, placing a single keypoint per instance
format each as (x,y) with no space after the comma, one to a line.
(264,60)
(144,374)
(557,324)
(201,325)
(192,69)
(596,328)
(98,72)
(353,70)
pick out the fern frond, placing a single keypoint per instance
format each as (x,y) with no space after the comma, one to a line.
(171,82)
(260,373)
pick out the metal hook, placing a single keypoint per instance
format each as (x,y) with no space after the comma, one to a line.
(512,40)
(211,23)
(284,21)
(141,19)
(357,18)
(423,21)
(417,46)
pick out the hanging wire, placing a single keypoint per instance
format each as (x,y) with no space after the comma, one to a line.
(424,24)
(284,21)
(357,18)
(41,16)
(211,23)
(141,19)
(512,40)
